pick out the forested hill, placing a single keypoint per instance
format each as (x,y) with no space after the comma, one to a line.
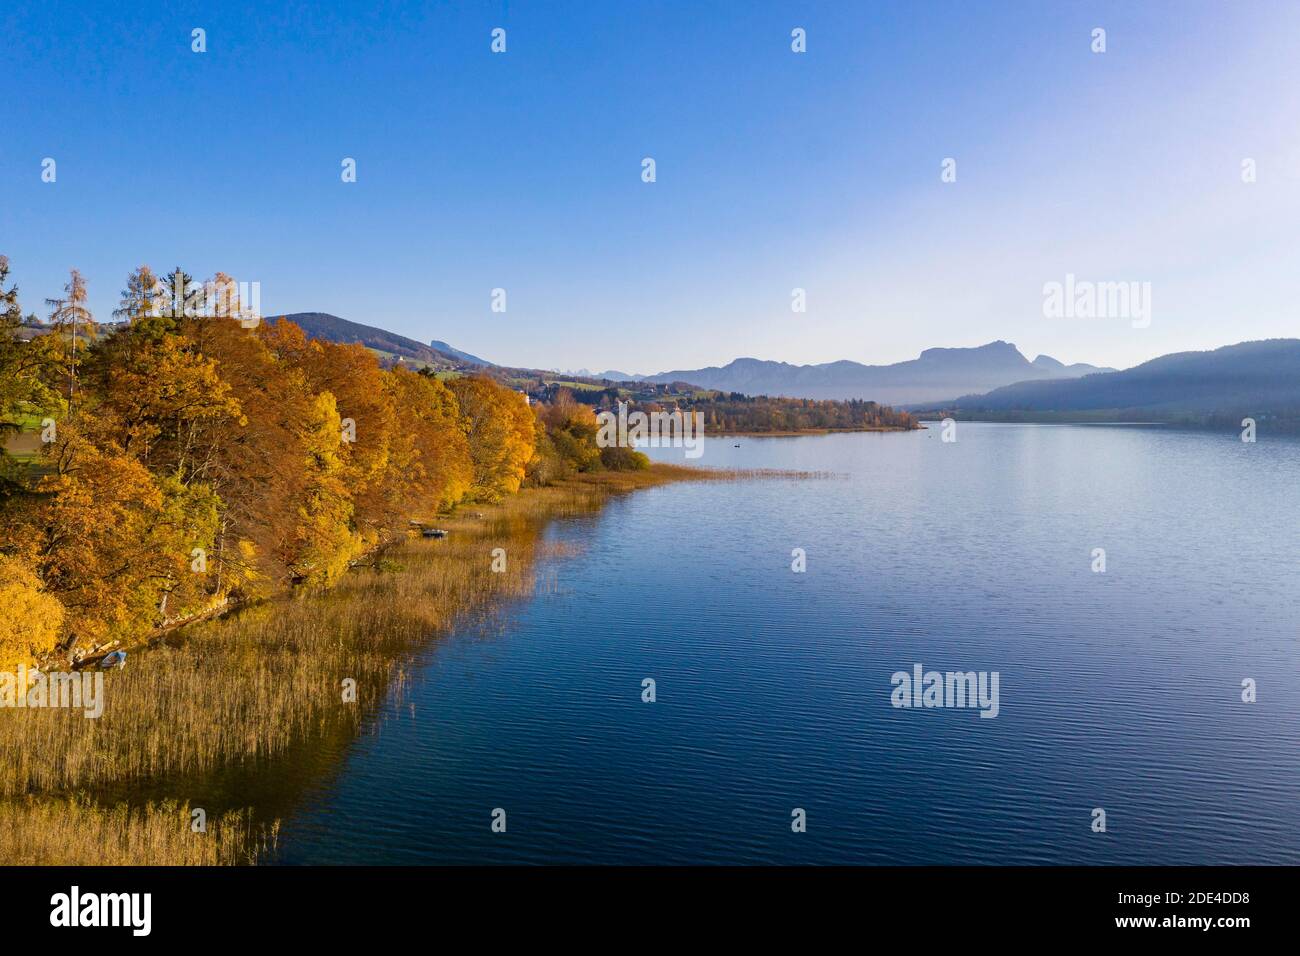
(331,328)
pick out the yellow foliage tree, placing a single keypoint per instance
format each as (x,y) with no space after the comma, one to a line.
(431,468)
(326,539)
(501,435)
(30,619)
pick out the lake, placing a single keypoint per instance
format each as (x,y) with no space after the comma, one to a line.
(1119,690)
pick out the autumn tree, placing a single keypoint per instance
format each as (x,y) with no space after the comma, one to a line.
(368,416)
(152,388)
(325,539)
(572,429)
(144,303)
(254,463)
(24,367)
(501,435)
(104,537)
(431,468)
(71,317)
(30,619)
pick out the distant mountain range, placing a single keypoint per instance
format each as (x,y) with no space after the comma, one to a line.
(1250,380)
(322,325)
(612,375)
(937,375)
(1258,380)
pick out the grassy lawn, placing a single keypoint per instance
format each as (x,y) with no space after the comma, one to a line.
(411,363)
(24,446)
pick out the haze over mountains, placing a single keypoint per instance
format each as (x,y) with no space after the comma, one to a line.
(938,375)
(1258,380)
(457,353)
(614,375)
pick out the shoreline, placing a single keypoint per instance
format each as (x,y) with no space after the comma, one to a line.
(234,695)
(798,433)
(615,482)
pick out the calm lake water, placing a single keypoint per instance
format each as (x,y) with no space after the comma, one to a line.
(1120,690)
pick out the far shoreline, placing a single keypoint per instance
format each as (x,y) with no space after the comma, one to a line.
(797,433)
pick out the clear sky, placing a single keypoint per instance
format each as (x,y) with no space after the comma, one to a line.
(775,170)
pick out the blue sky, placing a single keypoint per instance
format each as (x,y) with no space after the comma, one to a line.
(775,170)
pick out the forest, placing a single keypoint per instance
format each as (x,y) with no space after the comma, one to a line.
(180,461)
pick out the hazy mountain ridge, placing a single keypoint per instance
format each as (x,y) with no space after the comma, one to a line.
(457,353)
(1259,379)
(331,328)
(612,375)
(938,374)
(1251,379)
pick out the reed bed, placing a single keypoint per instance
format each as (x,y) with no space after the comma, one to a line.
(75,831)
(247,686)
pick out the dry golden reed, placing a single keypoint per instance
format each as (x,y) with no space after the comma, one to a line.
(73,831)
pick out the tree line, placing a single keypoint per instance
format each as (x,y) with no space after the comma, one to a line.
(736,412)
(187,459)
